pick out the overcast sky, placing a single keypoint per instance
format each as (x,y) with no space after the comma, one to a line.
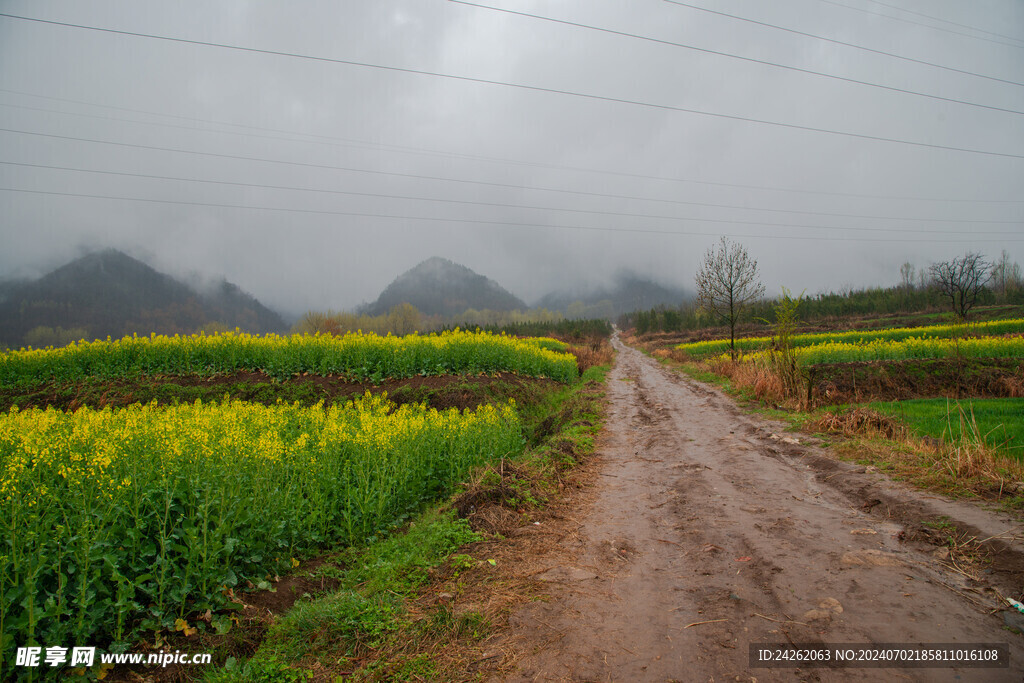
(312,183)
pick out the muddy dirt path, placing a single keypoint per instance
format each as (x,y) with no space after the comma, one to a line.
(707,531)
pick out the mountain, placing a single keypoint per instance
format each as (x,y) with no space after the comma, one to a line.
(438,286)
(628,292)
(227,302)
(109,293)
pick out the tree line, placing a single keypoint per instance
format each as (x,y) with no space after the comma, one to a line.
(729,292)
(404,319)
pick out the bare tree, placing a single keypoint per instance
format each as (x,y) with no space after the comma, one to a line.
(403,319)
(1005,275)
(961,280)
(726,283)
(907,276)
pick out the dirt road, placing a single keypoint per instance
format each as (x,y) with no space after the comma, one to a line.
(707,531)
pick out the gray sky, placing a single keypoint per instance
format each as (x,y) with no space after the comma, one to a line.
(543,189)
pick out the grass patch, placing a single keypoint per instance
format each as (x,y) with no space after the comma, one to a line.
(997,420)
(367,606)
(363,613)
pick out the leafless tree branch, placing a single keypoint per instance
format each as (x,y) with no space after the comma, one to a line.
(726,283)
(961,280)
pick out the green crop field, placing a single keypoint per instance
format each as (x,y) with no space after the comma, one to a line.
(123,521)
(119,522)
(355,356)
(861,337)
(999,421)
(882,349)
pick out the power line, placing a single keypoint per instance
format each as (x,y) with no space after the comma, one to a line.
(380,195)
(730,55)
(532,88)
(342,142)
(474,157)
(484,222)
(917,23)
(944,21)
(845,44)
(334,140)
(360,170)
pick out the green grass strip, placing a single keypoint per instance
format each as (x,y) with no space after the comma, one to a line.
(998,420)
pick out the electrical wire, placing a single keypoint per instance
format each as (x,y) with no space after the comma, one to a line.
(844,43)
(731,55)
(943,21)
(345,142)
(488,222)
(531,88)
(917,23)
(381,195)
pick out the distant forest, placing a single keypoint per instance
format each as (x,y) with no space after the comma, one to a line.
(915,294)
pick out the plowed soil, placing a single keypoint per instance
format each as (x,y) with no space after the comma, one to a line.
(709,529)
(901,380)
(441,391)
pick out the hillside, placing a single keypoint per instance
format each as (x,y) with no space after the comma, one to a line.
(438,286)
(109,293)
(627,292)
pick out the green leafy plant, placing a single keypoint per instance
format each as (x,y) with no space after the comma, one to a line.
(121,522)
(269,669)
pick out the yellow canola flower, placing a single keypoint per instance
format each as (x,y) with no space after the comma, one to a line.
(914,347)
(355,354)
(860,337)
(109,453)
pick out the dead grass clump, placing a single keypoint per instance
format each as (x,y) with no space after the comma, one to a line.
(593,354)
(968,555)
(959,551)
(971,456)
(494,519)
(1011,386)
(679,356)
(507,487)
(967,463)
(862,421)
(763,381)
(672,354)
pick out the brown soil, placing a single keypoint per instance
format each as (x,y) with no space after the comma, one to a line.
(891,380)
(445,391)
(706,530)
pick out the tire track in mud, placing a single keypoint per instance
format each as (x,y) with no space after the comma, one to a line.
(706,532)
